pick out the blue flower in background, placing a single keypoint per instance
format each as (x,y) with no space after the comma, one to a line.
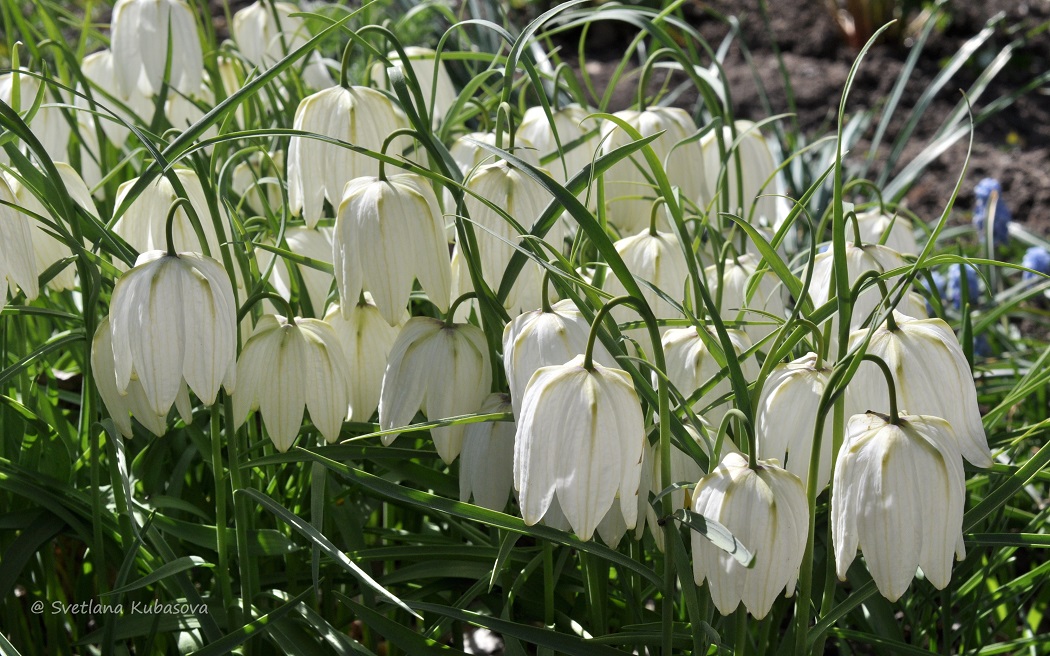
(983,192)
(940,285)
(1035,258)
(953,288)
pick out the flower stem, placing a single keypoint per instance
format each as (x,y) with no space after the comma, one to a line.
(400,132)
(276,299)
(169,224)
(545,301)
(895,418)
(450,316)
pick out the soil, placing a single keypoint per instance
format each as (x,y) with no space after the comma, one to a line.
(1012,146)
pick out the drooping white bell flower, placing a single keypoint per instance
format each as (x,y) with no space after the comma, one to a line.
(434,81)
(897,229)
(46,247)
(762,203)
(683,470)
(898,494)
(768,296)
(539,339)
(140,46)
(570,122)
(265,32)
(366,339)
(580,437)
(313,243)
(318,170)
(629,195)
(656,259)
(47,124)
(387,234)
(690,364)
(487,467)
(290,365)
(440,368)
(257,181)
(931,377)
(786,418)
(132,403)
(469,155)
(17,263)
(174,319)
(137,107)
(766,510)
(144,226)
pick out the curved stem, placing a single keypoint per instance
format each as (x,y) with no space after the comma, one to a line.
(643,80)
(278,300)
(169,223)
(654,213)
(723,429)
(818,341)
(545,291)
(891,323)
(344,65)
(451,314)
(864,182)
(852,216)
(503,115)
(400,132)
(483,114)
(895,417)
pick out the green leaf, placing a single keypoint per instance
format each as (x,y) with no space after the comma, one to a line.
(718,535)
(167,569)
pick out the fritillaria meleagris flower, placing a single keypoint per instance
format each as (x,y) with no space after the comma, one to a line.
(140,46)
(487,466)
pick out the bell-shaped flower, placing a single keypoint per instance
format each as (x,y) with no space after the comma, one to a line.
(316,244)
(469,155)
(265,32)
(859,260)
(440,368)
(140,43)
(569,122)
(539,339)
(174,319)
(629,195)
(434,81)
(47,248)
(931,377)
(136,108)
(657,259)
(898,494)
(763,203)
(387,234)
(257,181)
(366,339)
(691,365)
(47,124)
(786,418)
(132,402)
(683,470)
(144,226)
(731,293)
(766,510)
(287,366)
(580,438)
(318,170)
(487,466)
(17,263)
(875,226)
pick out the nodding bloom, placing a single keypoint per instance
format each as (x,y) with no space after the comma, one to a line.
(1035,258)
(99,69)
(657,259)
(48,124)
(766,510)
(433,78)
(761,204)
(315,243)
(896,228)
(691,364)
(289,365)
(732,289)
(571,125)
(580,438)
(17,264)
(982,203)
(486,469)
(140,44)
(266,31)
(898,494)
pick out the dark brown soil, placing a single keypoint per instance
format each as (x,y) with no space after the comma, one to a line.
(1012,146)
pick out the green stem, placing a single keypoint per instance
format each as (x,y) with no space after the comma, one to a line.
(278,300)
(545,302)
(818,341)
(221,519)
(654,213)
(503,117)
(242,517)
(169,224)
(344,65)
(400,132)
(450,316)
(895,418)
(741,632)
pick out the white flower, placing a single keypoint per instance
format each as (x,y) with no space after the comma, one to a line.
(683,470)
(737,274)
(690,364)
(263,40)
(135,108)
(786,418)
(931,377)
(366,339)
(469,155)
(144,226)
(434,81)
(569,122)
(762,206)
(174,319)
(287,366)
(580,437)
(17,264)
(440,368)
(318,170)
(140,46)
(133,400)
(658,260)
(46,247)
(539,339)
(257,181)
(48,124)
(628,194)
(898,494)
(314,243)
(875,224)
(387,234)
(766,510)
(487,466)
